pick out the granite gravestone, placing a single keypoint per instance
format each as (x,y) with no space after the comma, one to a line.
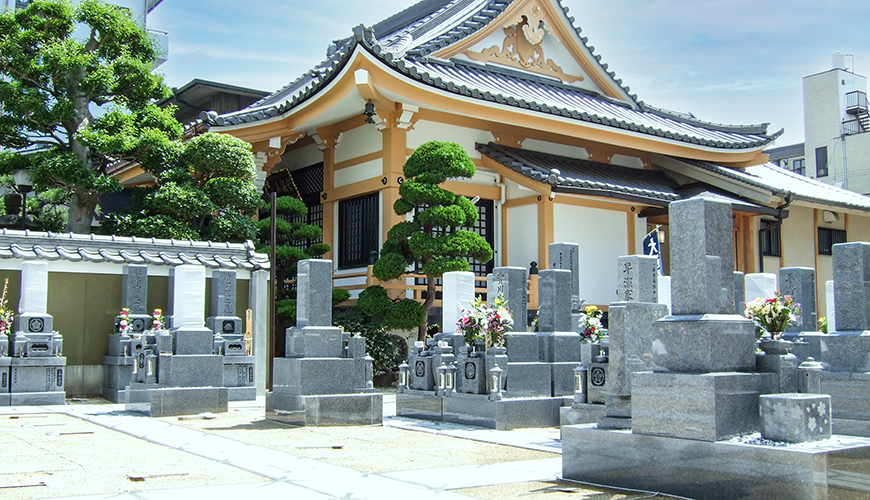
(554,304)
(849,349)
(630,335)
(567,256)
(229,339)
(324,377)
(739,292)
(37,366)
(118,365)
(703,346)
(800,283)
(512,283)
(457,296)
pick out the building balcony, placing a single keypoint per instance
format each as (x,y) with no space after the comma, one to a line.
(856,103)
(162,40)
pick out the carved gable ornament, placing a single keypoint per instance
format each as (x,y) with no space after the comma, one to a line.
(522,46)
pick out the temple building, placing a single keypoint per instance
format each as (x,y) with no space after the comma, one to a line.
(564,151)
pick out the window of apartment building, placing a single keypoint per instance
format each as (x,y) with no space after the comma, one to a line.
(828,238)
(799,166)
(771,240)
(822,161)
(357,230)
(20,4)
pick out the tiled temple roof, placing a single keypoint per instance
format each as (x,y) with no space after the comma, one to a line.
(30,245)
(410,38)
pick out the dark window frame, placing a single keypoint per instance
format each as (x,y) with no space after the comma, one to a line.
(822,161)
(358,235)
(799,166)
(771,240)
(829,237)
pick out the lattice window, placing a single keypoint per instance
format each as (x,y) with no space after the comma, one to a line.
(357,230)
(828,238)
(771,240)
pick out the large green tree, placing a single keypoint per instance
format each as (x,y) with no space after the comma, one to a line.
(432,238)
(204,191)
(60,62)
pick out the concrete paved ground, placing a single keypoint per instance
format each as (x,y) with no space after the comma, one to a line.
(89,449)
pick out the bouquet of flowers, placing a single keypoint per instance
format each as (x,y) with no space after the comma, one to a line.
(123,325)
(498,321)
(6,314)
(590,324)
(157,322)
(775,314)
(480,321)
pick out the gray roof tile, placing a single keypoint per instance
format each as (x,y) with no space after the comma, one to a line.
(70,247)
(431,24)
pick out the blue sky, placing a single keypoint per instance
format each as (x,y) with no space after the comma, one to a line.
(725,61)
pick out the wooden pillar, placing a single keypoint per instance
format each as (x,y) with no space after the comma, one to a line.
(328,147)
(546,231)
(394,156)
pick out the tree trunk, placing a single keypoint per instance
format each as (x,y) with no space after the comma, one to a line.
(427,304)
(81,211)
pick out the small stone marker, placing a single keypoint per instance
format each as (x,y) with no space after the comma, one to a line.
(830,305)
(186,284)
(458,293)
(637,280)
(567,256)
(800,283)
(795,418)
(760,286)
(664,293)
(313,292)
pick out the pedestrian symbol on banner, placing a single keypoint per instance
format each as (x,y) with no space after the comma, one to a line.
(652,247)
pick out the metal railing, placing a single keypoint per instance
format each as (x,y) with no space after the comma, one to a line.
(852,127)
(856,102)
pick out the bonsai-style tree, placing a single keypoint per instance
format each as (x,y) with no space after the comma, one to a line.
(293,243)
(204,190)
(433,237)
(61,61)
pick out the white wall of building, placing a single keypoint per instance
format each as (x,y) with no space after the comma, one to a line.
(425,131)
(522,235)
(603,237)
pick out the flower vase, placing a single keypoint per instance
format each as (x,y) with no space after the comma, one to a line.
(775,346)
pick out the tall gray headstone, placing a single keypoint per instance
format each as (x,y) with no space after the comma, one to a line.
(134,288)
(800,283)
(314,292)
(513,284)
(637,280)
(554,304)
(34,288)
(223,293)
(567,256)
(702,257)
(852,286)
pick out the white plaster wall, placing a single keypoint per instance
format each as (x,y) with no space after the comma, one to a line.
(627,161)
(640,231)
(301,158)
(514,191)
(425,131)
(360,172)
(858,163)
(357,142)
(556,149)
(482,177)
(522,235)
(603,237)
(66,266)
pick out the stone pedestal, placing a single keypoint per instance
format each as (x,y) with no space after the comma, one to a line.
(159,401)
(783,367)
(36,381)
(470,374)
(704,343)
(704,407)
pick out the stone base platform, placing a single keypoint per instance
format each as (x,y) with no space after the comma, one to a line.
(850,401)
(846,351)
(586,413)
(723,470)
(478,410)
(161,401)
(325,410)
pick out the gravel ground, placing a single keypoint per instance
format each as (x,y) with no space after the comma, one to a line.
(51,455)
